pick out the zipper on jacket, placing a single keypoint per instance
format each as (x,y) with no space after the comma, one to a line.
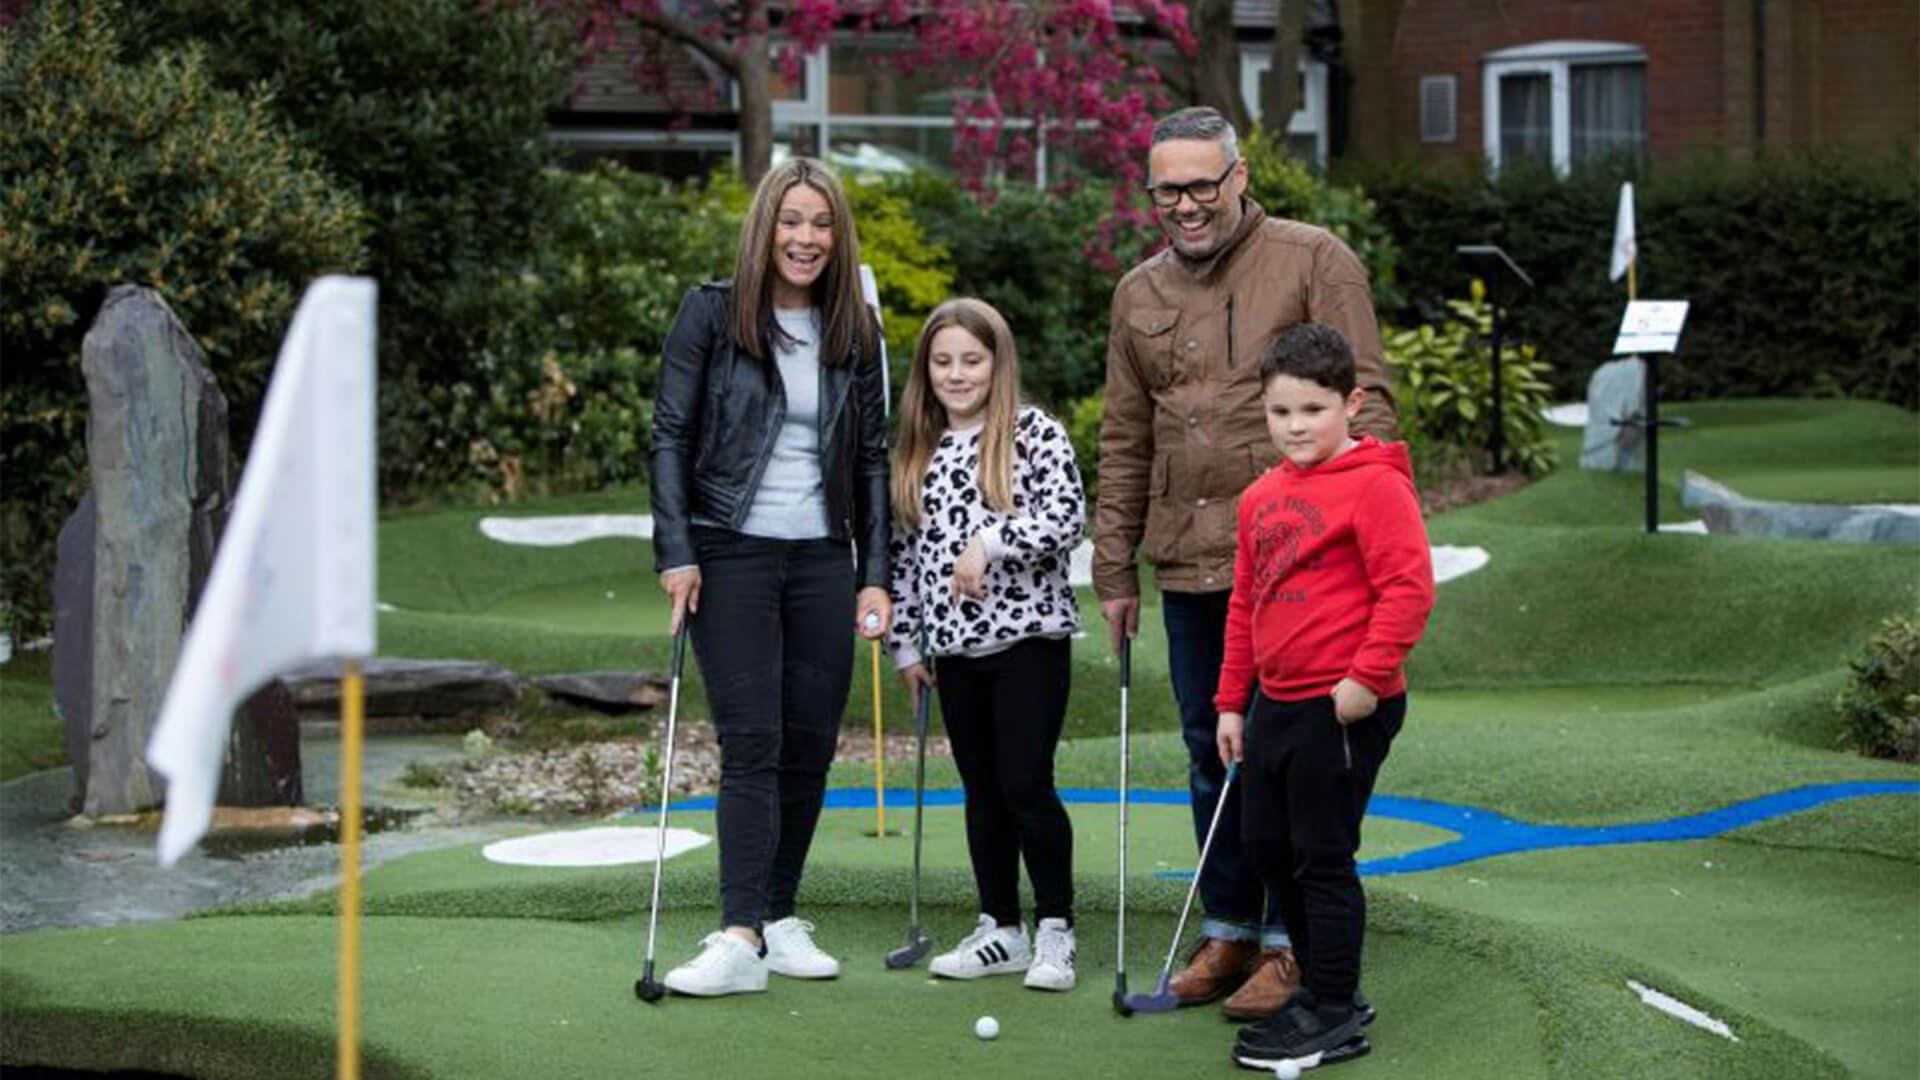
(1230,333)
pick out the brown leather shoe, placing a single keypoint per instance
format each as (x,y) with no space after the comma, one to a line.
(1275,977)
(1213,969)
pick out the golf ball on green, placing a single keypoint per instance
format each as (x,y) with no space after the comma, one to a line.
(986,1027)
(1286,1070)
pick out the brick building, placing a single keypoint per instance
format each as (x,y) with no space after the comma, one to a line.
(1557,80)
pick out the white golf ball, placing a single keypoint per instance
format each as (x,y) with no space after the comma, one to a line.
(986,1027)
(1286,1070)
(873,620)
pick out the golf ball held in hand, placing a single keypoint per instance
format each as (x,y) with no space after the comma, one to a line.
(1286,1070)
(986,1027)
(873,620)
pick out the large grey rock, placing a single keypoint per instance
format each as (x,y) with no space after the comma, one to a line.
(262,766)
(613,692)
(157,459)
(410,687)
(1617,392)
(1727,511)
(73,640)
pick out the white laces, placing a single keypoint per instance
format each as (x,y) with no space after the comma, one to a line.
(715,948)
(1054,948)
(981,933)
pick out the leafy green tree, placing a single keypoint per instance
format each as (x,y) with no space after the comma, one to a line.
(141,171)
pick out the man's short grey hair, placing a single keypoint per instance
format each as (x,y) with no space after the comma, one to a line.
(1202,123)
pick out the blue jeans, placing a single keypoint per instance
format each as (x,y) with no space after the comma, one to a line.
(1231,894)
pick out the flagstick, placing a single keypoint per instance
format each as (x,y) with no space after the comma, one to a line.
(351,713)
(1631,292)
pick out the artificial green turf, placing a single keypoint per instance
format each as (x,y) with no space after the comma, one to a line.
(1821,943)
(1886,825)
(31,734)
(479,998)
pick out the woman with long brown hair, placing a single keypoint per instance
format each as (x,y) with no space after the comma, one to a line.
(988,509)
(770,536)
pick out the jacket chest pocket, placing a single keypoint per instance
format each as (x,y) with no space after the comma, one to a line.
(1154,336)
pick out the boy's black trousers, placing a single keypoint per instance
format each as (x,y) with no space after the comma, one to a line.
(1306,781)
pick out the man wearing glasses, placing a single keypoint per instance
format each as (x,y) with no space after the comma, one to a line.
(1183,435)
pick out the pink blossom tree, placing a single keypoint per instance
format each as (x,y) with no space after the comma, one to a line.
(1070,74)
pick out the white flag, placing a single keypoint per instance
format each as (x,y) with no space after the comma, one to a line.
(1625,251)
(293,579)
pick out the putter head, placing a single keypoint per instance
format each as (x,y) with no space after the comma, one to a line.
(1158,1002)
(646,989)
(1120,994)
(911,953)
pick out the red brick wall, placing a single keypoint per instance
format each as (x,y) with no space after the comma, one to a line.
(1837,70)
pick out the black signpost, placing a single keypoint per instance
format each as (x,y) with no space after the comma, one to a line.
(1504,279)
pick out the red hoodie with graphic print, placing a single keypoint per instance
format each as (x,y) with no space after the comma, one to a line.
(1332,578)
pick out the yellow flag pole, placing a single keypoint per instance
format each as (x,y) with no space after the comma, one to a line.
(351,720)
(1632,265)
(879,752)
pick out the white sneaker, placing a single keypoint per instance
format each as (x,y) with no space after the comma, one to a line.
(990,950)
(1053,952)
(726,965)
(791,951)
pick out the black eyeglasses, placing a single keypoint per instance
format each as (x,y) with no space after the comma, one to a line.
(1167,196)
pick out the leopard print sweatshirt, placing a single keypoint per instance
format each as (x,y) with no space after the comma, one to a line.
(1028,551)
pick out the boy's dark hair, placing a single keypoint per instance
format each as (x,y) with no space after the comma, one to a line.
(1314,352)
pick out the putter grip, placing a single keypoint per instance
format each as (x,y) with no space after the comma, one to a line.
(1126,659)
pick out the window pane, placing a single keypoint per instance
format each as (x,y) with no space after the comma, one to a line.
(1609,110)
(1526,118)
(877,148)
(790,140)
(864,80)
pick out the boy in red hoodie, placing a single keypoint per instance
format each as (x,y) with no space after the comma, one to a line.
(1332,584)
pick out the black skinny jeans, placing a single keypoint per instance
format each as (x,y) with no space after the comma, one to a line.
(1303,803)
(774,635)
(1003,715)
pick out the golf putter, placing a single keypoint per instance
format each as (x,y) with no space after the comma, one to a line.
(1120,1003)
(918,943)
(647,989)
(1162,999)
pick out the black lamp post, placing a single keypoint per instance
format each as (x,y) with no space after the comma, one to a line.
(1503,279)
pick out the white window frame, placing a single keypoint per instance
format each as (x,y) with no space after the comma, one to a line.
(1556,60)
(1311,117)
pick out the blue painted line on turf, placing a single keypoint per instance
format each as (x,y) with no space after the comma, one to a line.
(1482,833)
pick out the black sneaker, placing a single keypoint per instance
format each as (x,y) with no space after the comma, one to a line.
(1304,1032)
(1358,1046)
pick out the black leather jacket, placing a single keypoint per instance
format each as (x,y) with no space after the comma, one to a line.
(715,420)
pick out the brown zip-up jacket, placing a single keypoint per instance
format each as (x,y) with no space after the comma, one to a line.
(1185,431)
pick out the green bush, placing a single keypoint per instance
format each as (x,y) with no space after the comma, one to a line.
(1030,254)
(1285,186)
(435,111)
(114,171)
(1445,377)
(558,395)
(1880,705)
(1800,268)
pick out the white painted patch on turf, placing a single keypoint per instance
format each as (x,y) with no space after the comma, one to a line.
(1681,1010)
(1572,414)
(1697,527)
(561,530)
(611,845)
(1451,562)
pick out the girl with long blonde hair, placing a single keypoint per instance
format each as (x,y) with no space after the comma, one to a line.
(987,510)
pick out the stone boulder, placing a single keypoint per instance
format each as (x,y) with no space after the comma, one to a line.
(1727,511)
(1616,401)
(611,692)
(425,688)
(157,460)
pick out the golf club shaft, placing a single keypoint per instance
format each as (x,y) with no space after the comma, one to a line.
(923,708)
(1226,789)
(666,789)
(1120,948)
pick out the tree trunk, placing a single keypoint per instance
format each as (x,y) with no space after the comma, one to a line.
(1216,62)
(1280,98)
(756,106)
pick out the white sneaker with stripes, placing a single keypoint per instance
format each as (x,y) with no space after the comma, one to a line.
(991,949)
(1053,955)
